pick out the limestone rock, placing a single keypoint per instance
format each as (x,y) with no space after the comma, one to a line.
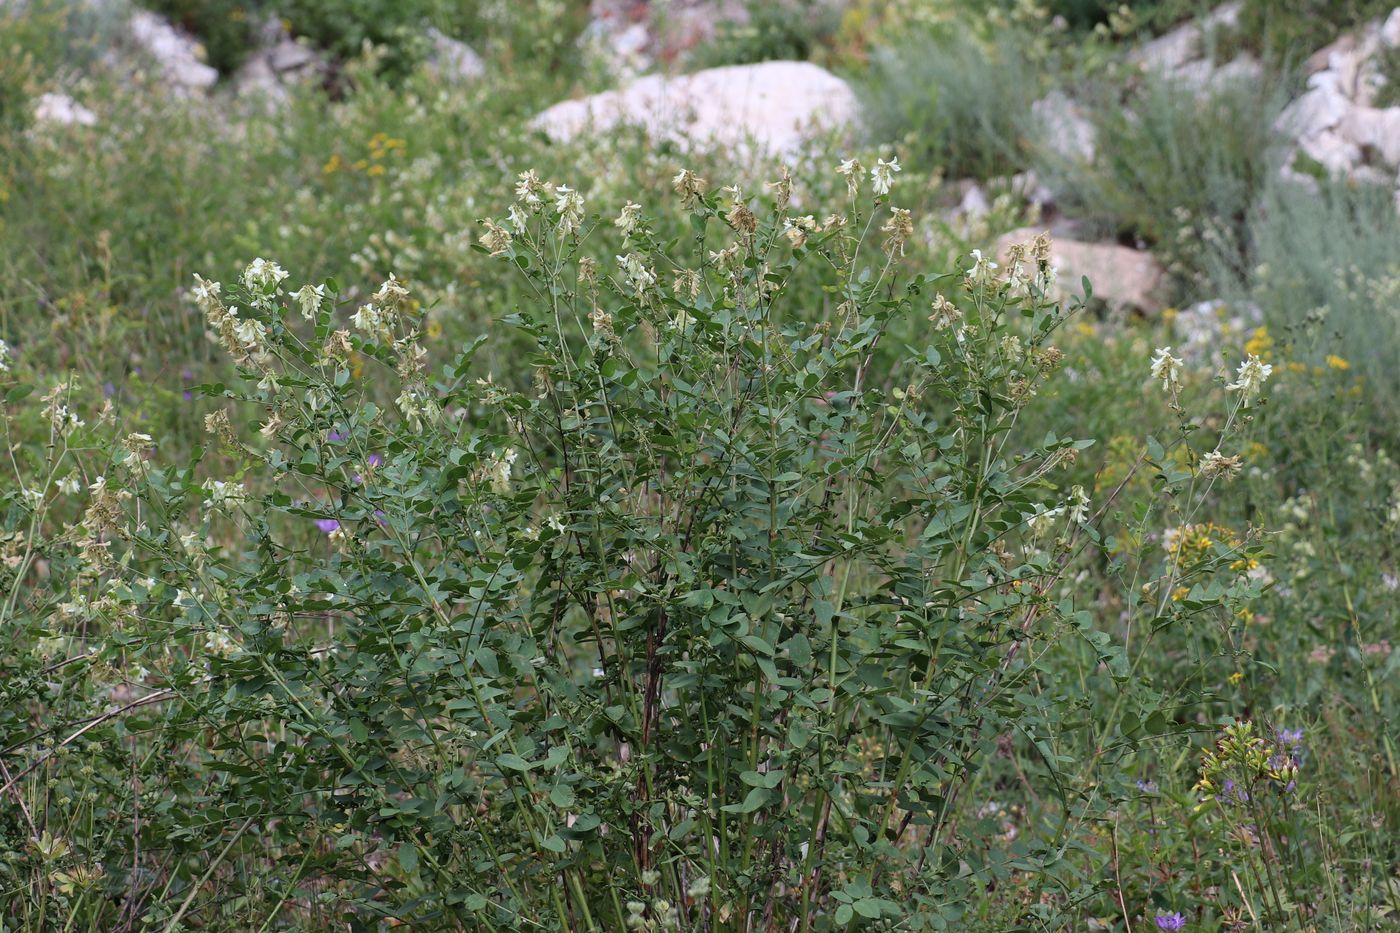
(1120,276)
(1064,129)
(270,73)
(175,53)
(452,58)
(772,107)
(1186,43)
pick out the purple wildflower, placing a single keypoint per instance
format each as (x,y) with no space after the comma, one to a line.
(1293,738)
(1173,921)
(374,460)
(335,436)
(327,525)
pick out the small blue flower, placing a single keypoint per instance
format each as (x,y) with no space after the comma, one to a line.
(1173,921)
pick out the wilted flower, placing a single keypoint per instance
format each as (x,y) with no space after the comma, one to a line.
(602,323)
(882,175)
(740,217)
(688,185)
(782,189)
(852,169)
(69,485)
(1168,369)
(898,229)
(496,239)
(945,313)
(628,219)
(1250,377)
(686,282)
(638,275)
(391,294)
(1216,464)
(1041,522)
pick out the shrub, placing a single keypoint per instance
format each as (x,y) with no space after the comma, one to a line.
(771,31)
(1176,169)
(951,103)
(696,627)
(228,29)
(1325,270)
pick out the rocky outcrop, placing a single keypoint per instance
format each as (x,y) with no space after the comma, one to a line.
(1064,130)
(772,107)
(1120,276)
(1335,123)
(1185,55)
(277,66)
(177,55)
(453,59)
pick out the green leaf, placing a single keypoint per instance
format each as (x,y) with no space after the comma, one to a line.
(757,797)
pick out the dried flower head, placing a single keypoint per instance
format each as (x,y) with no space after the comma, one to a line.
(496,239)
(688,185)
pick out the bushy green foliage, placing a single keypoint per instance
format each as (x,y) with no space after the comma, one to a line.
(1175,168)
(785,30)
(229,30)
(954,104)
(693,624)
(379,648)
(1325,269)
(1294,29)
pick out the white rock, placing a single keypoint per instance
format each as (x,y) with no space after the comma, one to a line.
(1203,76)
(1333,151)
(1320,109)
(1065,131)
(1374,129)
(63,110)
(772,106)
(176,53)
(454,59)
(974,203)
(1029,186)
(1120,276)
(1390,29)
(290,55)
(1172,50)
(270,73)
